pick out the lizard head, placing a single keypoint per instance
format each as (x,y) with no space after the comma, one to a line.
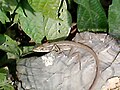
(42,48)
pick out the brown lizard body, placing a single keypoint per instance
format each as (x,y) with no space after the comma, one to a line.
(65,45)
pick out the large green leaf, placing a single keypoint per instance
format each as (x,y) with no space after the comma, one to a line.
(49,8)
(3,17)
(9,45)
(37,25)
(114,19)
(90,15)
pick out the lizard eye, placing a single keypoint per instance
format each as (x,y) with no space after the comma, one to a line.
(42,48)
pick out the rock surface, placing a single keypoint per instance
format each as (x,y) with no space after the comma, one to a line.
(75,69)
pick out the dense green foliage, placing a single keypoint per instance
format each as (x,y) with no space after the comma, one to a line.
(49,19)
(4,83)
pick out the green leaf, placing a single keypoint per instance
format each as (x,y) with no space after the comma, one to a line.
(24,4)
(27,49)
(4,83)
(2,39)
(3,17)
(8,5)
(3,74)
(90,15)
(4,71)
(38,26)
(114,19)
(2,79)
(49,8)
(9,45)
(8,87)
(11,2)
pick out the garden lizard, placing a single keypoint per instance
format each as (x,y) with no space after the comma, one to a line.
(65,45)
